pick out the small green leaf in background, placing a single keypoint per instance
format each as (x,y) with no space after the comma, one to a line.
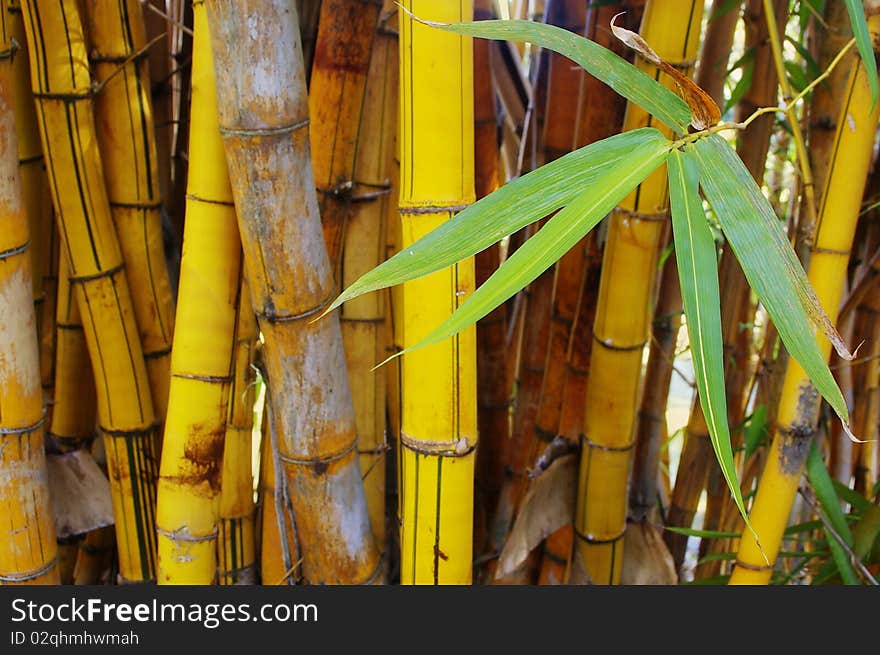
(557,236)
(601,63)
(865,44)
(703,534)
(755,431)
(511,207)
(866,533)
(697,259)
(768,260)
(747,64)
(827,497)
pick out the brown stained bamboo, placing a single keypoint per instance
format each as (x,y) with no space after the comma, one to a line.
(631,250)
(236,539)
(353,109)
(126,137)
(63,91)
(439,418)
(651,430)
(28,552)
(799,407)
(865,416)
(493,396)
(74,410)
(346,30)
(309,12)
(698,466)
(202,361)
(717,46)
(263,119)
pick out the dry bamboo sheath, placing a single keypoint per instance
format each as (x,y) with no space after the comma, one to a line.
(263,119)
(64,94)
(28,552)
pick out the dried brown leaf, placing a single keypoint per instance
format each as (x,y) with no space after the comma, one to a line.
(548,506)
(646,559)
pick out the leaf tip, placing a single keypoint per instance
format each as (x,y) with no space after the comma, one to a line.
(423,21)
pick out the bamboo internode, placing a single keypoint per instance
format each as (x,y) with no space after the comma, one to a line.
(64,93)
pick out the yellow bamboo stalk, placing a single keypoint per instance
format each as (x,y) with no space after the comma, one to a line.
(126,137)
(94,557)
(439,431)
(74,408)
(263,119)
(202,357)
(867,469)
(236,550)
(63,91)
(799,407)
(28,552)
(628,270)
(37,202)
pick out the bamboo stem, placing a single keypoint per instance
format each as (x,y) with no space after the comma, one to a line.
(28,552)
(263,119)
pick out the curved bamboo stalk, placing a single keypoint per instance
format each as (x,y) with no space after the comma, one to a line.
(202,363)
(619,336)
(63,91)
(126,137)
(439,425)
(799,407)
(236,547)
(263,119)
(28,552)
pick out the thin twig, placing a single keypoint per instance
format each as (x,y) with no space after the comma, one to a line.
(846,547)
(97,87)
(169,19)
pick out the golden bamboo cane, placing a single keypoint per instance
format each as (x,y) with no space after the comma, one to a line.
(439,427)
(799,407)
(126,137)
(202,357)
(236,548)
(619,336)
(28,552)
(64,92)
(263,119)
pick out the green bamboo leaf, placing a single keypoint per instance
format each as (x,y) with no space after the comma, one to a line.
(769,262)
(856,500)
(864,43)
(697,258)
(827,497)
(756,431)
(703,534)
(601,63)
(511,207)
(553,240)
(866,533)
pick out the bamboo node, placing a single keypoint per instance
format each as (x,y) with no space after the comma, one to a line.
(31,575)
(246,133)
(210,379)
(24,161)
(437,209)
(641,216)
(611,449)
(109,272)
(26,429)
(459,448)
(137,205)
(272,317)
(320,460)
(596,541)
(224,203)
(182,534)
(753,567)
(69,326)
(157,354)
(610,345)
(126,434)
(17,250)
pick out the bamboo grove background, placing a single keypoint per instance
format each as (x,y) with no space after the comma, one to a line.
(186,186)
